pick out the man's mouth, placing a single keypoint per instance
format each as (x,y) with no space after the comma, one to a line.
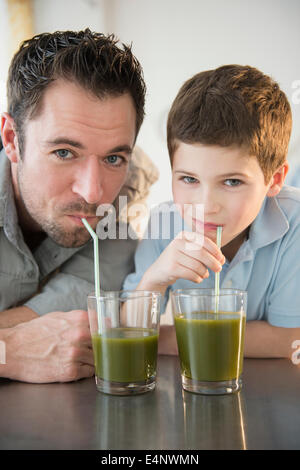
(76,218)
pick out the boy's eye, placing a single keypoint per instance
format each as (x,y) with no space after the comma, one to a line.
(115,160)
(233,182)
(63,154)
(189,179)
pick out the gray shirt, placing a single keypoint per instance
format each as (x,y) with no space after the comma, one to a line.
(52,277)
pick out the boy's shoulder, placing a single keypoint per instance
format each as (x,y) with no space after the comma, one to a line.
(165,222)
(289,201)
(165,208)
(289,192)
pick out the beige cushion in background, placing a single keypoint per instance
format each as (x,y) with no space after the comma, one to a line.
(142,174)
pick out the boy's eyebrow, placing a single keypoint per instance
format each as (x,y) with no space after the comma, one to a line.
(233,173)
(185,172)
(226,175)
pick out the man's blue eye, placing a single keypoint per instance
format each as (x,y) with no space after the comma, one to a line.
(115,160)
(63,153)
(112,158)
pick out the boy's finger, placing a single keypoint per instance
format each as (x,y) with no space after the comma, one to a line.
(213,248)
(194,241)
(193,264)
(202,258)
(186,273)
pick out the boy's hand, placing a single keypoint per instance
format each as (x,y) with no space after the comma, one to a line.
(187,257)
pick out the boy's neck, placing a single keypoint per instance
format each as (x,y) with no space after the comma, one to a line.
(230,250)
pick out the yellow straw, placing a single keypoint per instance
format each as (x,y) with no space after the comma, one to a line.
(217,275)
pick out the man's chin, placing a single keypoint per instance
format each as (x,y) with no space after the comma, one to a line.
(71,244)
(70,239)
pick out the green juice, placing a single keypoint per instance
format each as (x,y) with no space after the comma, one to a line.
(125,354)
(211,349)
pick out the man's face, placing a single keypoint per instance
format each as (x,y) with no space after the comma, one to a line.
(226,181)
(76,157)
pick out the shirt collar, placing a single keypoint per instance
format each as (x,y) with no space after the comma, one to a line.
(8,213)
(270,224)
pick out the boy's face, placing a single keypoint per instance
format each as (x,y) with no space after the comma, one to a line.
(227,182)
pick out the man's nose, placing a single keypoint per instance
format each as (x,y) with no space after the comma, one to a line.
(88,182)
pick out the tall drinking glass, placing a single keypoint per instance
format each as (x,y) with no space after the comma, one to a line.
(124,327)
(210,340)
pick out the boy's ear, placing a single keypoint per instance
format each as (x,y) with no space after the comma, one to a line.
(9,137)
(277,180)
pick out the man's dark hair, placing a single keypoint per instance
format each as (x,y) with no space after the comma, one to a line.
(91,60)
(233,105)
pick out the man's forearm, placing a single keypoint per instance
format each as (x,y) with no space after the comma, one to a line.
(5,334)
(14,316)
(265,340)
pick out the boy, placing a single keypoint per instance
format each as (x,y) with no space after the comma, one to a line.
(228,132)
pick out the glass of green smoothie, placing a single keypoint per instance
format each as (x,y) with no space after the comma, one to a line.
(125,327)
(210,340)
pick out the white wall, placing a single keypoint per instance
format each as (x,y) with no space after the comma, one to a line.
(174,39)
(55,15)
(49,16)
(4,53)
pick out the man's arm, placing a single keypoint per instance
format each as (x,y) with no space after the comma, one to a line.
(13,316)
(53,348)
(56,347)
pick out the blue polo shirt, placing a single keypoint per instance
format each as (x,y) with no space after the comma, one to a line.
(293,177)
(267,264)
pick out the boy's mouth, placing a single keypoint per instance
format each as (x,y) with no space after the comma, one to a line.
(205,226)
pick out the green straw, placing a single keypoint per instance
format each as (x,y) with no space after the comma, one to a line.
(96,268)
(217,275)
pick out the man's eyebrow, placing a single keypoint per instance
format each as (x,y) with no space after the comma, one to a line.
(74,143)
(65,141)
(121,148)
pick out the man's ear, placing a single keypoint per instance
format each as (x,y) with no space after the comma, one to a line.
(277,180)
(9,138)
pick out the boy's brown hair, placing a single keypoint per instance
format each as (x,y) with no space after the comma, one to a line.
(233,105)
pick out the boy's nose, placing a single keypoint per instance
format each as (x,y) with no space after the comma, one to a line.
(88,182)
(210,201)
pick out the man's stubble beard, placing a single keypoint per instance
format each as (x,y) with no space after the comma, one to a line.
(68,239)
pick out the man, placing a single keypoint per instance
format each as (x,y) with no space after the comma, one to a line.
(75,106)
